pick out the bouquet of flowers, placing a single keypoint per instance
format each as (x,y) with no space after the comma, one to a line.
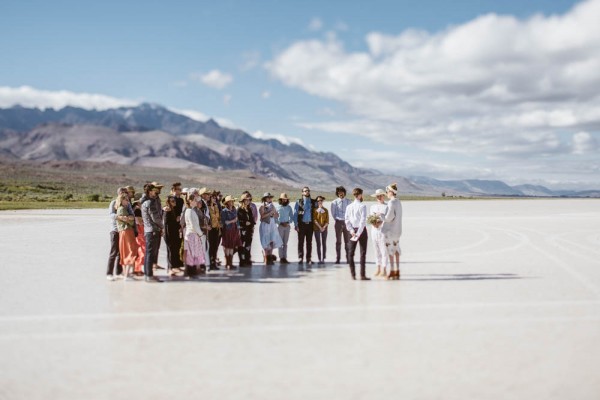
(373,219)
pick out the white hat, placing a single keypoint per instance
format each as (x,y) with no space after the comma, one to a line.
(378,192)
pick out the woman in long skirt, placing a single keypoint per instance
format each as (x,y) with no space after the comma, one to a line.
(392,229)
(172,233)
(127,244)
(231,234)
(193,246)
(215,231)
(321,223)
(269,234)
(140,240)
(378,211)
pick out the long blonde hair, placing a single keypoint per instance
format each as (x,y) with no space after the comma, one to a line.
(120,198)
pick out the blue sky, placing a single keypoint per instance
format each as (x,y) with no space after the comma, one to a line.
(463,89)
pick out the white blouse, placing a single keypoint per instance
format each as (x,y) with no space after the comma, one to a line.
(392,222)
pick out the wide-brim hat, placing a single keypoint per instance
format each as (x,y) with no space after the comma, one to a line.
(204,191)
(185,190)
(228,198)
(245,196)
(157,185)
(284,196)
(378,192)
(266,196)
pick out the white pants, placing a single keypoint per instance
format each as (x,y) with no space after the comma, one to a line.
(381,255)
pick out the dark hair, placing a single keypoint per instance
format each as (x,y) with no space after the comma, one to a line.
(174,185)
(340,189)
(281,201)
(357,191)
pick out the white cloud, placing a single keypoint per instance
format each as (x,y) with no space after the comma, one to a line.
(214,79)
(282,138)
(315,24)
(27,96)
(266,94)
(495,85)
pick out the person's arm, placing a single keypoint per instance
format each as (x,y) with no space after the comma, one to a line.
(333,208)
(316,220)
(347,218)
(295,216)
(362,219)
(326,219)
(156,215)
(389,215)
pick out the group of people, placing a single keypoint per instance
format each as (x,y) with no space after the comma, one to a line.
(196,222)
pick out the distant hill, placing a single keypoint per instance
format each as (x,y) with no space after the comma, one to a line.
(152,135)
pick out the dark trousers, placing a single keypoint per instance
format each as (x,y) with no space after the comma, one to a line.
(214,238)
(362,241)
(173,242)
(321,238)
(244,251)
(340,229)
(113,256)
(305,233)
(152,243)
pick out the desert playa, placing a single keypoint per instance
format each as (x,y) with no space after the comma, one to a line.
(499,299)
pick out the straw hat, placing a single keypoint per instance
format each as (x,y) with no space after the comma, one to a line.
(204,191)
(157,185)
(266,196)
(228,198)
(378,192)
(284,196)
(245,196)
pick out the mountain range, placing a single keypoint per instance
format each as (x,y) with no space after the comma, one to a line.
(152,135)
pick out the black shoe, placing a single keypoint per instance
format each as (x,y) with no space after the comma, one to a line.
(300,262)
(309,262)
(364,278)
(152,279)
(353,277)
(283,261)
(337,261)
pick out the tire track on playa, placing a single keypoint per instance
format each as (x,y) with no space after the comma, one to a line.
(576,275)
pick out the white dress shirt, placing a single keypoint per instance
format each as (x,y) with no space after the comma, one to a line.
(356,217)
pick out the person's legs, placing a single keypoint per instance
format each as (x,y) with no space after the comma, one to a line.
(351,249)
(338,240)
(346,235)
(113,256)
(363,240)
(284,232)
(324,239)
(149,259)
(301,238)
(309,237)
(318,239)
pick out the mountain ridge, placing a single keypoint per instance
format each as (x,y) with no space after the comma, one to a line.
(151,133)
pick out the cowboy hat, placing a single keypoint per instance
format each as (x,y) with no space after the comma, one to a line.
(157,185)
(378,192)
(284,196)
(204,191)
(245,196)
(228,198)
(266,196)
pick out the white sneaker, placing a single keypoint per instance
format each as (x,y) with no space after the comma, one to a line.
(120,276)
(110,278)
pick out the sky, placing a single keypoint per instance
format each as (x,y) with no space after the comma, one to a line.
(483,89)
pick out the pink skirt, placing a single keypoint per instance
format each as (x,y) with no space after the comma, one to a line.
(193,249)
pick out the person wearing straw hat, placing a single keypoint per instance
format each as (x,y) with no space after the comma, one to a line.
(269,234)
(247,222)
(283,225)
(231,235)
(376,214)
(392,229)
(193,245)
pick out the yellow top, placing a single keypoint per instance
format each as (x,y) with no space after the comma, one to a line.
(321,217)
(215,216)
